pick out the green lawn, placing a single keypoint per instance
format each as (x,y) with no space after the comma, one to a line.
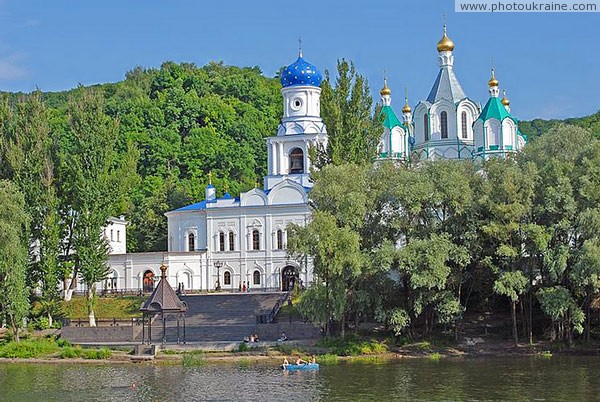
(123,307)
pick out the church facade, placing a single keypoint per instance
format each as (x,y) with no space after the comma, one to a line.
(448,124)
(237,243)
(232,243)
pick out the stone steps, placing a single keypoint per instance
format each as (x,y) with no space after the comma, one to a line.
(231,318)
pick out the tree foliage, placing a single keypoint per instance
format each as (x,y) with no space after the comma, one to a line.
(13,228)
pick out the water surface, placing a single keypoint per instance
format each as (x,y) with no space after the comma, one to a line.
(516,378)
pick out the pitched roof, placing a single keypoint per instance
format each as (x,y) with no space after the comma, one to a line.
(390,119)
(164,298)
(446,86)
(494,109)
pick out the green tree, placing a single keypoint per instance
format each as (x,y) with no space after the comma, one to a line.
(30,153)
(95,183)
(14,303)
(347,109)
(336,257)
(505,204)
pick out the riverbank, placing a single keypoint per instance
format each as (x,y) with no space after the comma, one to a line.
(44,347)
(270,356)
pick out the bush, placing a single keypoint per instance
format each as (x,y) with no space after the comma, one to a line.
(70,352)
(352,346)
(193,360)
(328,360)
(243,347)
(97,354)
(29,348)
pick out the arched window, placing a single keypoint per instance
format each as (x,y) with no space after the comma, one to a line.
(444,124)
(280,239)
(227,278)
(231,241)
(191,242)
(296,161)
(426,127)
(255,239)
(256,278)
(221,241)
(463,119)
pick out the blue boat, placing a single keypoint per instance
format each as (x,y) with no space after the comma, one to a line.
(300,367)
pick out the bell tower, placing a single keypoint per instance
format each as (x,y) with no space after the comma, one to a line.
(301,126)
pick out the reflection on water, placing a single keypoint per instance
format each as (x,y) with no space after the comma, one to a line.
(558,378)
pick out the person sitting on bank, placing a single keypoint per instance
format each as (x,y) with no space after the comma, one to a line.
(255,337)
(299,361)
(252,339)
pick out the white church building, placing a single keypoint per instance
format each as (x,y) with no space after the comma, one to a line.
(229,243)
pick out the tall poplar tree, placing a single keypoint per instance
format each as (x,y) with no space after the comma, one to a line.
(30,154)
(95,182)
(353,129)
(14,303)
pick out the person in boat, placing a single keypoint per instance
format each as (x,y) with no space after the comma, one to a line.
(285,362)
(300,361)
(313,360)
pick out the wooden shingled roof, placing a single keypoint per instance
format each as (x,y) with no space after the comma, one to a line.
(163,299)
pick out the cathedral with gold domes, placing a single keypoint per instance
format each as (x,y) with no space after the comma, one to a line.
(448,124)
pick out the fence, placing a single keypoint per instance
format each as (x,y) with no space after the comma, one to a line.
(85,322)
(141,292)
(268,318)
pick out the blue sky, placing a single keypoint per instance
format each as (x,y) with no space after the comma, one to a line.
(548,63)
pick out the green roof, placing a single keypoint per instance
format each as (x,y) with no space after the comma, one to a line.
(494,109)
(390,120)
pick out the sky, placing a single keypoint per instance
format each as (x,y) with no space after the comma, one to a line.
(547,62)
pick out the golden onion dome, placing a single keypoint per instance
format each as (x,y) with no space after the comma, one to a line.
(504,99)
(406,108)
(493,82)
(445,44)
(385,90)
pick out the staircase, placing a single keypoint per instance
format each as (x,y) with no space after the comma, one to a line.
(220,317)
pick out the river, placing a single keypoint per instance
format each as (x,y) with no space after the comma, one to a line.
(517,378)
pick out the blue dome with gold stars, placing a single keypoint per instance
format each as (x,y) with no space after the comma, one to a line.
(301,72)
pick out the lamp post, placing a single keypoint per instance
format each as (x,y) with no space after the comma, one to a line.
(218,265)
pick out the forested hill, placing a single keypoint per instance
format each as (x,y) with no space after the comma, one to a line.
(186,121)
(537,127)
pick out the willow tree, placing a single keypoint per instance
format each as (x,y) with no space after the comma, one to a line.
(14,303)
(336,260)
